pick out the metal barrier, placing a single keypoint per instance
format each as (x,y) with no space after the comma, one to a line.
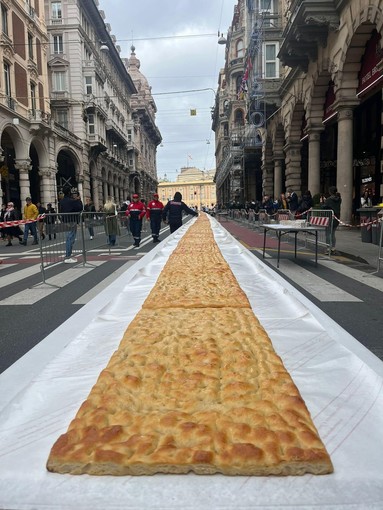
(321,217)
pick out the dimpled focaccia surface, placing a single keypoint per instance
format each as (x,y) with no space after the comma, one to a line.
(192,389)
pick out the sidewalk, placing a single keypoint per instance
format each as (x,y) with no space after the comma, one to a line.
(348,242)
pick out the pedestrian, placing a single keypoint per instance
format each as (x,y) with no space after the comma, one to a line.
(12,231)
(89,216)
(2,212)
(67,205)
(50,220)
(112,228)
(365,199)
(333,202)
(135,212)
(30,215)
(282,202)
(154,214)
(268,205)
(172,212)
(40,223)
(305,204)
(292,200)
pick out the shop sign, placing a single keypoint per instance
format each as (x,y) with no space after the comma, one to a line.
(369,74)
(328,107)
(366,179)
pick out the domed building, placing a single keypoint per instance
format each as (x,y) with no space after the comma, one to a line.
(144,137)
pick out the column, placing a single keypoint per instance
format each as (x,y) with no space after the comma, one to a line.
(278,184)
(293,166)
(47,187)
(344,174)
(24,166)
(314,161)
(95,193)
(106,193)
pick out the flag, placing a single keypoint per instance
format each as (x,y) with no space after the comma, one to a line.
(193,112)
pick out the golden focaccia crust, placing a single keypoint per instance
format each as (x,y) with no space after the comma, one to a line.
(193,386)
(203,392)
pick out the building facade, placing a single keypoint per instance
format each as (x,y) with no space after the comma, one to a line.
(67,119)
(197,188)
(327,127)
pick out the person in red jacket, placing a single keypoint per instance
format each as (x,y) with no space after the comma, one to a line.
(154,214)
(136,211)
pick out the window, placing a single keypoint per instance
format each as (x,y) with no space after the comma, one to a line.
(59,81)
(62,118)
(238,118)
(239,49)
(58,44)
(129,135)
(30,46)
(56,12)
(33,97)
(4,19)
(88,85)
(270,60)
(266,6)
(91,129)
(7,79)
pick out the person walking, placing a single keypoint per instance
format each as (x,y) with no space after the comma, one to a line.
(13,230)
(333,202)
(40,223)
(292,200)
(90,211)
(172,212)
(30,214)
(50,220)
(112,228)
(70,204)
(154,214)
(135,212)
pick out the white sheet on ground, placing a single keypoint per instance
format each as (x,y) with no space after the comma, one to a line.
(342,390)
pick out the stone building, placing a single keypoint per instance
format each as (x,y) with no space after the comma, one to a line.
(144,136)
(326,129)
(67,119)
(196,186)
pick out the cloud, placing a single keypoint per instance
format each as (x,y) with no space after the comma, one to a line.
(176,63)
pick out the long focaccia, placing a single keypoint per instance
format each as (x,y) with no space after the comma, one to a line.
(192,389)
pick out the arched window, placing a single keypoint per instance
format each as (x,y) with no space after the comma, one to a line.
(239,49)
(238,83)
(238,118)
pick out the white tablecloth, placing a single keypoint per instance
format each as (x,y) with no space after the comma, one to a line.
(339,379)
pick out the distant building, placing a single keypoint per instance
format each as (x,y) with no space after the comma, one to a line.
(196,186)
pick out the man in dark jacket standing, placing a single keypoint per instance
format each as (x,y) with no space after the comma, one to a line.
(173,212)
(154,214)
(70,204)
(333,202)
(136,211)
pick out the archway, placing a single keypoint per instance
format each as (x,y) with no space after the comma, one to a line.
(66,171)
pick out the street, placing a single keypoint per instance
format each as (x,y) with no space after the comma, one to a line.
(30,310)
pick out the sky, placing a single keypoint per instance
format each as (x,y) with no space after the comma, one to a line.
(176,42)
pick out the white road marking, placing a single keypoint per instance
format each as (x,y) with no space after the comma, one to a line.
(359,276)
(85,298)
(318,287)
(33,295)
(19,275)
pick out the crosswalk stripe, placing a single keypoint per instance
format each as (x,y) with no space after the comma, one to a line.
(321,289)
(365,278)
(33,295)
(85,298)
(9,279)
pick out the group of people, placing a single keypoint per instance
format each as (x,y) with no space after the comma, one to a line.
(69,208)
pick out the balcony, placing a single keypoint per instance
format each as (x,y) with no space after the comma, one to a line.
(308,27)
(111,125)
(38,119)
(10,103)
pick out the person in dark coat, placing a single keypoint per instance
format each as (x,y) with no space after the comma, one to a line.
(173,210)
(154,214)
(14,230)
(305,204)
(333,202)
(292,199)
(50,220)
(70,204)
(136,211)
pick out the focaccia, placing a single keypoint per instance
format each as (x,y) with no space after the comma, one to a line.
(192,389)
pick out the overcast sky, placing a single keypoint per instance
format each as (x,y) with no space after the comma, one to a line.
(174,64)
